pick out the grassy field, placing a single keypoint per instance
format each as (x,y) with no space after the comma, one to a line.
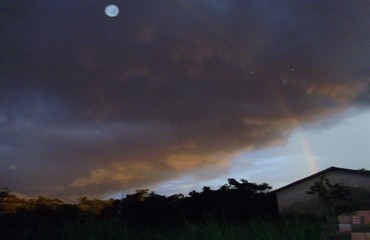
(296,228)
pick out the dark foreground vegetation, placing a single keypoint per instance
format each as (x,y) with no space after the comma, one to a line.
(237,210)
(114,229)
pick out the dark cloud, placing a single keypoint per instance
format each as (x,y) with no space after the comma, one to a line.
(167,87)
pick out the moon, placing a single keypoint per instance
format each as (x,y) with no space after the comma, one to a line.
(111,10)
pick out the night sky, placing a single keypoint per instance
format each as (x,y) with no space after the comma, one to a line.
(176,94)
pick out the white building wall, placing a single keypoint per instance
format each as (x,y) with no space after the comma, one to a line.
(295,198)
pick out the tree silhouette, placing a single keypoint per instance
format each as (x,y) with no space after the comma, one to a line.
(234,201)
(331,195)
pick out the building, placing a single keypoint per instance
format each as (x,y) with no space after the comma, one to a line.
(293,198)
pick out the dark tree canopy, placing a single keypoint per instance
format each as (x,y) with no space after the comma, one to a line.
(234,201)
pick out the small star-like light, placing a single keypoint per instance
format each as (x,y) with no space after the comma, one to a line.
(284,82)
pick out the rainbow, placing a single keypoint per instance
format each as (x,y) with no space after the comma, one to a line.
(310,156)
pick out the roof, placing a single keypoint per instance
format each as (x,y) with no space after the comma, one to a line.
(330,169)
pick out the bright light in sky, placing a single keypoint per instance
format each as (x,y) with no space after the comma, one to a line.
(112,10)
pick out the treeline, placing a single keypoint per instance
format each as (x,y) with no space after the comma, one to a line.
(234,201)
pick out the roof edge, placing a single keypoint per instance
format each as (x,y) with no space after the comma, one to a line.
(330,169)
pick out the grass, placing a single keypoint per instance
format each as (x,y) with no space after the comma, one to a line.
(290,228)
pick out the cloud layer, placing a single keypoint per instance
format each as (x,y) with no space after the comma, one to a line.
(167,87)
